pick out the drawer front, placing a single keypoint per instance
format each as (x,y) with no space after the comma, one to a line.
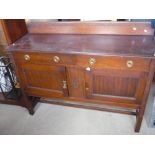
(113,62)
(44,58)
(109,62)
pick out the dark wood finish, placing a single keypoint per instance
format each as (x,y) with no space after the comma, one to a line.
(13,29)
(43,80)
(97,102)
(141,46)
(107,62)
(117,28)
(114,62)
(25,100)
(44,58)
(118,76)
(109,81)
(115,85)
(75,76)
(141,110)
(89,106)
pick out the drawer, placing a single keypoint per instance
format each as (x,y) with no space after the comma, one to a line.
(112,62)
(131,63)
(44,58)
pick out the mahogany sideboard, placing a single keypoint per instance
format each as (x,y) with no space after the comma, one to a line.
(105,66)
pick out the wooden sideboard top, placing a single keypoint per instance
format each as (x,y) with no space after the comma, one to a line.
(123,45)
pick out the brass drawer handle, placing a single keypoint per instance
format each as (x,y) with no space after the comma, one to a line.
(92,61)
(27,57)
(64,84)
(129,63)
(56,59)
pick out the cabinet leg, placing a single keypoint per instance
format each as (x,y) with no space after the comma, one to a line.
(27,103)
(140,112)
(139,120)
(31,111)
(138,124)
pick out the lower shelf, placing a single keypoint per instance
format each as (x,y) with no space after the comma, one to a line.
(90,106)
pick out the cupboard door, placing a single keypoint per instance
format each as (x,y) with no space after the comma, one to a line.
(115,85)
(43,80)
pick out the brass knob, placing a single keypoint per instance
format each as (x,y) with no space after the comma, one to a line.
(129,63)
(27,57)
(92,61)
(87,88)
(56,59)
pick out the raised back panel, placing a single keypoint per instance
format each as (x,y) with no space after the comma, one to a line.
(116,28)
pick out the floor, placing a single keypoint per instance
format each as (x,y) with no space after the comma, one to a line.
(61,120)
(54,119)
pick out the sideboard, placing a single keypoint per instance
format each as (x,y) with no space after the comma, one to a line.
(105,66)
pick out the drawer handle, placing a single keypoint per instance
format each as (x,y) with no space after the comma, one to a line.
(64,84)
(92,61)
(129,63)
(27,57)
(56,59)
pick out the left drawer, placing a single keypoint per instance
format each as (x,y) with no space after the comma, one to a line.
(44,58)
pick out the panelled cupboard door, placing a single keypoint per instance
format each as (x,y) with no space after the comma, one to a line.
(43,80)
(115,85)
